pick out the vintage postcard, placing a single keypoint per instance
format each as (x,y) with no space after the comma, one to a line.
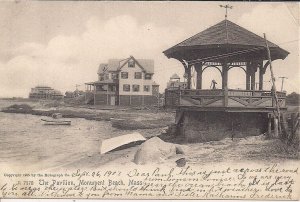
(149,100)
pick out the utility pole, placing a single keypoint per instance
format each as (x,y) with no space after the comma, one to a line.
(76,91)
(77,85)
(277,115)
(282,81)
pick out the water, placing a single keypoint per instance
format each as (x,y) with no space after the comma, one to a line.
(25,141)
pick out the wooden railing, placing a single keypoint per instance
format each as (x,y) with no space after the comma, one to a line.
(223,98)
(104,92)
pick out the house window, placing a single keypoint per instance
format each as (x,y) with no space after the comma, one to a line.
(135,88)
(106,76)
(124,75)
(114,76)
(138,75)
(148,76)
(146,88)
(131,63)
(126,87)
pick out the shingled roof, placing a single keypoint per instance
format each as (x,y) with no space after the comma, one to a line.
(225,33)
(116,64)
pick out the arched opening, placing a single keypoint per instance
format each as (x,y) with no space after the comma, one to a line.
(209,74)
(236,78)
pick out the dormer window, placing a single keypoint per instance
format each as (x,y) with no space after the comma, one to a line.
(131,63)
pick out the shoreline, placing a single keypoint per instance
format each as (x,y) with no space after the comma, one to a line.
(248,149)
(126,119)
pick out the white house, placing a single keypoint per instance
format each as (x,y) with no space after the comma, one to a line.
(125,82)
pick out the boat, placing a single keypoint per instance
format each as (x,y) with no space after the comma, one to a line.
(57,116)
(121,142)
(56,122)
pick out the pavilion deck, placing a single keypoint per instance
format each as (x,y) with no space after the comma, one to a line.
(224,100)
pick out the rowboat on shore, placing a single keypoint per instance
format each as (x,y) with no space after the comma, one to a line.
(57,116)
(56,122)
(121,142)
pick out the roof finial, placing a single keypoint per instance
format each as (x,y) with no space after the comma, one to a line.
(226,7)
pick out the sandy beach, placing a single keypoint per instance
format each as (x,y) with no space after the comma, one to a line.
(79,147)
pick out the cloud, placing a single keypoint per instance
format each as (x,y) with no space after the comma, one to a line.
(280,28)
(272,19)
(30,49)
(68,60)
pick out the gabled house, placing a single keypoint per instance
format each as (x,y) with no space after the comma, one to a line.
(124,82)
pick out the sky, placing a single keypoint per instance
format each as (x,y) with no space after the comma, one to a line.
(62,43)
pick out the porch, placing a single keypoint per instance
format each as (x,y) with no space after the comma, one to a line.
(101,93)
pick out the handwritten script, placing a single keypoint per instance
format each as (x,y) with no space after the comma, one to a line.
(267,182)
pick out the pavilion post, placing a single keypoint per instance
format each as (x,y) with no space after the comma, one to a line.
(225,82)
(261,78)
(94,93)
(262,71)
(254,66)
(187,70)
(224,76)
(198,68)
(253,80)
(189,76)
(248,76)
(85,93)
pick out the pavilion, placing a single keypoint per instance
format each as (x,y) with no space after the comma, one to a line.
(208,48)
(223,46)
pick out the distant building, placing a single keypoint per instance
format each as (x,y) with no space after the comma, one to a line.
(74,94)
(45,92)
(69,94)
(124,82)
(175,83)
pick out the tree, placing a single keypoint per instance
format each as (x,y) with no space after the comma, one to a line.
(293,99)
